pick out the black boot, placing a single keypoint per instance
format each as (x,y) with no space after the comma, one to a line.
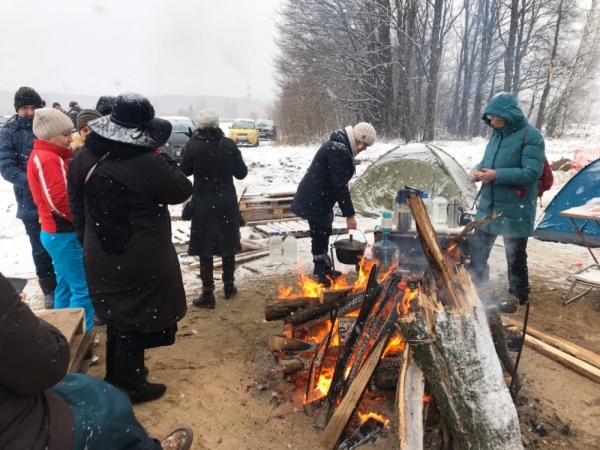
(48,286)
(206,300)
(323,270)
(129,377)
(230,290)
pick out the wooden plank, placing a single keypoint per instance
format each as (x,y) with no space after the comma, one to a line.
(338,422)
(69,321)
(565,346)
(576,365)
(409,400)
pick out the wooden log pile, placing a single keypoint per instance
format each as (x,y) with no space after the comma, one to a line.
(447,358)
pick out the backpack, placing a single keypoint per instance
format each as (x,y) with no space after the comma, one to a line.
(547,178)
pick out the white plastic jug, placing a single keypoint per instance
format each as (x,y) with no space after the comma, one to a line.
(440,211)
(276,249)
(290,249)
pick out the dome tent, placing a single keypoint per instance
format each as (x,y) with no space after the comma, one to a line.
(420,166)
(577,191)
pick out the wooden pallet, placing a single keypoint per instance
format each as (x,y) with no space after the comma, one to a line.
(254,208)
(298,227)
(71,323)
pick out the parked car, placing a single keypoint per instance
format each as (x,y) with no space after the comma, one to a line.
(244,131)
(182,127)
(267,129)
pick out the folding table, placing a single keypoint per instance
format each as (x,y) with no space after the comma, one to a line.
(588,276)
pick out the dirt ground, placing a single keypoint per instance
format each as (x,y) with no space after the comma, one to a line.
(222,380)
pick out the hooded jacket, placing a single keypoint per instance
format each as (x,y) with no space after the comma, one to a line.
(47,174)
(16,144)
(122,218)
(35,356)
(518,163)
(326,182)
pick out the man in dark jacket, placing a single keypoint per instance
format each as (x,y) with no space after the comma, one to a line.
(510,169)
(105,104)
(16,143)
(74,109)
(43,408)
(324,185)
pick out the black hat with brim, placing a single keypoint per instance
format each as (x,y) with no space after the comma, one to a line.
(132,121)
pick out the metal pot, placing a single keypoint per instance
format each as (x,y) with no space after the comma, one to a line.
(348,250)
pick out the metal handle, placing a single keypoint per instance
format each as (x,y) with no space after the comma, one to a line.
(363,234)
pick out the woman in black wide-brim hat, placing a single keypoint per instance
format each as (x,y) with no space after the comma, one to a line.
(119,189)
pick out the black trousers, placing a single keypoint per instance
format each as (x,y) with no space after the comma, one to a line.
(41,258)
(480,247)
(319,238)
(125,352)
(207,268)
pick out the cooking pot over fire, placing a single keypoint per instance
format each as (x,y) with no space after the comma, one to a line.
(348,250)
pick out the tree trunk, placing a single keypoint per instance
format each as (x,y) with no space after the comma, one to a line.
(509,58)
(434,69)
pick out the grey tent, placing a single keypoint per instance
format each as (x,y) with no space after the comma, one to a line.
(421,166)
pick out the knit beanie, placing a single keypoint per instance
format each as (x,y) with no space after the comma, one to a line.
(49,122)
(85,116)
(364,132)
(207,119)
(26,96)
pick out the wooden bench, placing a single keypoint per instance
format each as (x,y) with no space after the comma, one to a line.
(71,323)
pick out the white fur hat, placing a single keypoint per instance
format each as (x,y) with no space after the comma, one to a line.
(48,122)
(364,132)
(207,119)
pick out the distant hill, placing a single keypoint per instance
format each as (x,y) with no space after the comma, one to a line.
(163,104)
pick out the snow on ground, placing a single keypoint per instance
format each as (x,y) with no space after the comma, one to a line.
(275,168)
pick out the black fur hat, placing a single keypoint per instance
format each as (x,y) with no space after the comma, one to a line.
(26,96)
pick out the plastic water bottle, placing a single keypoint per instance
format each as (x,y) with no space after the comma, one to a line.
(290,249)
(276,249)
(440,211)
(428,203)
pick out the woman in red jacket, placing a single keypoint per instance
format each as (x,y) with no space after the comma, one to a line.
(47,176)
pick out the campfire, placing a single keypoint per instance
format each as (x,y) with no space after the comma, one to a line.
(381,337)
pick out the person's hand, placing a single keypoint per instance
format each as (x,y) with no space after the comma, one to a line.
(474,176)
(23,296)
(351,223)
(487,175)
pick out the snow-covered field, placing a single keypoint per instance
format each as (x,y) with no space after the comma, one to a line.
(273,168)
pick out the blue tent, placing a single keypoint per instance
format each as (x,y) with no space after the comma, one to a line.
(584,186)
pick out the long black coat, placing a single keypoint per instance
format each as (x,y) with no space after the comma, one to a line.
(326,182)
(215,226)
(121,214)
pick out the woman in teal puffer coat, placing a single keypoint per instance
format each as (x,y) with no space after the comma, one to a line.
(510,170)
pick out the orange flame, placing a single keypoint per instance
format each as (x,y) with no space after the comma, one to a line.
(453,252)
(306,287)
(395,345)
(409,294)
(371,415)
(426,398)
(324,382)
(318,337)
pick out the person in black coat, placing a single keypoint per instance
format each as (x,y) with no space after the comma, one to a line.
(214,160)
(324,185)
(119,190)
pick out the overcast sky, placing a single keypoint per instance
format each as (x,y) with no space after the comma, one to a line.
(194,47)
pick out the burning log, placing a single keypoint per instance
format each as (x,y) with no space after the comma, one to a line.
(344,305)
(283,344)
(284,308)
(409,399)
(451,342)
(367,431)
(292,366)
(330,295)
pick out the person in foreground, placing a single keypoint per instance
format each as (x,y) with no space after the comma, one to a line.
(324,185)
(46,169)
(214,160)
(44,408)
(119,191)
(510,170)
